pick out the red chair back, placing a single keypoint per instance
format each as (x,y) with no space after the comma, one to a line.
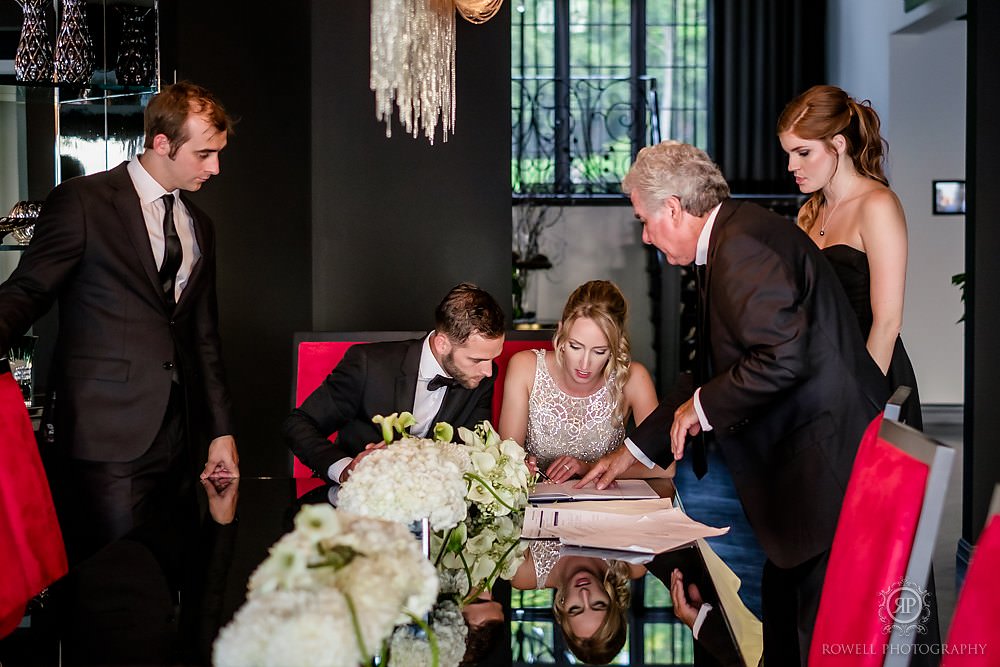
(874,548)
(315,361)
(541,340)
(977,614)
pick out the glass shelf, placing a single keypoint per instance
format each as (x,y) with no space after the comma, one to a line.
(74,92)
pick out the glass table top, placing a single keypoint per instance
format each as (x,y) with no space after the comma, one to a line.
(160,595)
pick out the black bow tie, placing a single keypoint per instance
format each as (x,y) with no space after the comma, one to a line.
(439,381)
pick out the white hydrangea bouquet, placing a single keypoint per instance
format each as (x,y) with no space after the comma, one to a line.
(329,594)
(473,492)
(413,479)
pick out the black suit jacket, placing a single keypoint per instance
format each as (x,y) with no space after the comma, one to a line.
(372,379)
(119,344)
(793,388)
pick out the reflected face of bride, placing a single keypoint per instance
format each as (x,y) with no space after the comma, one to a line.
(585,602)
(471,362)
(585,354)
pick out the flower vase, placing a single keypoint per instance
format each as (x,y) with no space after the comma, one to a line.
(33,60)
(135,63)
(421,529)
(74,61)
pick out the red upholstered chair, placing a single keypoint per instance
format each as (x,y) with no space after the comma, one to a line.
(885,537)
(977,613)
(514,342)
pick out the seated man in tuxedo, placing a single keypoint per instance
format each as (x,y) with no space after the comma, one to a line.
(445,376)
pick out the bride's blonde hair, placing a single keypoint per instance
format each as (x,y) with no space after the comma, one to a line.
(601,647)
(602,302)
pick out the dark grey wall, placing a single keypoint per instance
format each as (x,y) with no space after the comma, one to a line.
(257,62)
(397,222)
(323,223)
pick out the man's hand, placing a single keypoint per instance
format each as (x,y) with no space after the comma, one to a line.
(222,495)
(369,448)
(686,611)
(685,423)
(608,468)
(223,459)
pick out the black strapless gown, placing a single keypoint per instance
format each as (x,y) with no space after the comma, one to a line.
(851,266)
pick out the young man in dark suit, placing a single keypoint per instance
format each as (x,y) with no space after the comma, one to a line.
(446,376)
(137,375)
(789,386)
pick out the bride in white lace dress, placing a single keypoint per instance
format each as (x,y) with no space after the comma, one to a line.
(571,407)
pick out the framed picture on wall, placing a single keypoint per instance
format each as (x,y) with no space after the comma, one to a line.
(949,198)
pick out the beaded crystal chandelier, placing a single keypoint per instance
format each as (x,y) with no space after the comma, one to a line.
(413,60)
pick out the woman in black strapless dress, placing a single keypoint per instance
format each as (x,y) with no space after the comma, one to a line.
(836,152)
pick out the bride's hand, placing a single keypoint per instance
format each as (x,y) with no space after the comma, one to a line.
(566,467)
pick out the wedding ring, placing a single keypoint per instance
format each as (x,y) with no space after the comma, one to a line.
(566,466)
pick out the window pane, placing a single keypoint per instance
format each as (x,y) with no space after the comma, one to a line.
(609,114)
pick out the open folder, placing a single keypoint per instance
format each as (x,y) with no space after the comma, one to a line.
(623,489)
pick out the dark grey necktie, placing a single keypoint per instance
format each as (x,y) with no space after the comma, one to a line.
(172,253)
(696,445)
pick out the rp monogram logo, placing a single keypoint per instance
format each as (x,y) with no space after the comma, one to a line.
(904,606)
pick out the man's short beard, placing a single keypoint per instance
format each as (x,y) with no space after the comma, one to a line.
(449,366)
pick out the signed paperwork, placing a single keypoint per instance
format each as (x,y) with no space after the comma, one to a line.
(645,526)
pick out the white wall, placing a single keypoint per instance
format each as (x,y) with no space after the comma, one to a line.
(596,243)
(912,67)
(927,86)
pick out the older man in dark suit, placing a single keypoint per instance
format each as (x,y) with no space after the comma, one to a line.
(138,370)
(446,376)
(790,386)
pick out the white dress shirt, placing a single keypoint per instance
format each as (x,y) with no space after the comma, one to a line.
(150,193)
(426,404)
(700,258)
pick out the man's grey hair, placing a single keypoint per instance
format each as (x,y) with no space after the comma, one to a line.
(672,169)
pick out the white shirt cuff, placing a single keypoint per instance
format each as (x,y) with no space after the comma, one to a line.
(637,453)
(702,615)
(705,426)
(337,468)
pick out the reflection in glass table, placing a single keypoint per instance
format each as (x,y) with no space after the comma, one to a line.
(160,595)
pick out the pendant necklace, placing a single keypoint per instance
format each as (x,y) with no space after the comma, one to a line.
(833,209)
(826,216)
